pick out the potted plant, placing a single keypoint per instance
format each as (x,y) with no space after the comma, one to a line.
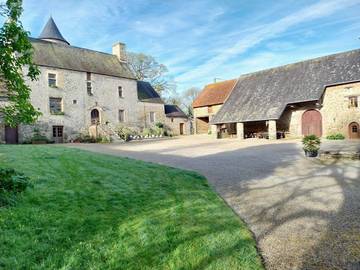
(311,145)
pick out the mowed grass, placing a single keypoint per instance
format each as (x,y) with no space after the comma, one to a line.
(92,211)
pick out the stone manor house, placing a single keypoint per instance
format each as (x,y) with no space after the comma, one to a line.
(81,91)
(319,96)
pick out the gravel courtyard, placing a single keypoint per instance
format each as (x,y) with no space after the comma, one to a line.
(305,214)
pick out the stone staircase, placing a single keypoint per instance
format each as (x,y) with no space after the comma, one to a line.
(105,130)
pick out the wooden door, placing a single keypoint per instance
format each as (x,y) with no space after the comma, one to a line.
(312,123)
(11,135)
(58,134)
(354,131)
(95,117)
(181,128)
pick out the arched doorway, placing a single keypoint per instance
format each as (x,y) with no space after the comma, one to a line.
(95,117)
(354,131)
(312,123)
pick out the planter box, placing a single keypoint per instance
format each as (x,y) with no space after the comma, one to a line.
(311,153)
(39,142)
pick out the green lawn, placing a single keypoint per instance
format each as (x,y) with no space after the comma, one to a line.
(91,211)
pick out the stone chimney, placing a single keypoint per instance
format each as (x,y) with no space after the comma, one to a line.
(119,49)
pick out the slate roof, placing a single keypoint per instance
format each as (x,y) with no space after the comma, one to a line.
(146,93)
(264,95)
(51,54)
(51,31)
(214,93)
(174,111)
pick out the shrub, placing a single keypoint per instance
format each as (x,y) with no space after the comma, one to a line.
(85,139)
(11,183)
(311,143)
(147,132)
(124,133)
(337,136)
(158,131)
(38,137)
(106,139)
(159,125)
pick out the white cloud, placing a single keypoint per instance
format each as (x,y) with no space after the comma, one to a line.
(315,11)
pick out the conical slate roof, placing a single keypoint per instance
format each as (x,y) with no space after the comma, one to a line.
(51,32)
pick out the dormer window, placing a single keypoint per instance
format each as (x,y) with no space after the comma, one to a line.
(353,102)
(120,92)
(52,79)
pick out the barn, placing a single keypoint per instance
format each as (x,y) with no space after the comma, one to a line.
(318,96)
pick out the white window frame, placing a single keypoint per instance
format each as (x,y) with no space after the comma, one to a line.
(53,79)
(154,118)
(61,105)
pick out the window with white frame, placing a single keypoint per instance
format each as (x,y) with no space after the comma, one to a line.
(152,117)
(88,84)
(52,80)
(55,105)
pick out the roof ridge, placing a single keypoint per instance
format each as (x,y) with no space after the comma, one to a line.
(299,62)
(234,79)
(69,46)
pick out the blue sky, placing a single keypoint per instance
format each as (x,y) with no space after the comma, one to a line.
(201,40)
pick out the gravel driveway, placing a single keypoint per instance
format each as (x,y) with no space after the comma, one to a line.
(304,213)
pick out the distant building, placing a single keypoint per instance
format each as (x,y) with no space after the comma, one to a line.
(81,91)
(177,120)
(209,102)
(319,96)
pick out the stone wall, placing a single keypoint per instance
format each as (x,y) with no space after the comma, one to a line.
(174,124)
(143,114)
(77,104)
(336,113)
(334,109)
(200,127)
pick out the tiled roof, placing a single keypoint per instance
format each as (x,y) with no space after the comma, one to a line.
(215,93)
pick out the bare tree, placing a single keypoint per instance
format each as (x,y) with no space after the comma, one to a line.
(147,68)
(188,98)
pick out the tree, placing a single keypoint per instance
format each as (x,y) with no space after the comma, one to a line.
(16,58)
(188,98)
(146,68)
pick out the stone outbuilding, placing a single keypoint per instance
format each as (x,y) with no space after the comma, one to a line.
(177,120)
(151,108)
(319,96)
(209,102)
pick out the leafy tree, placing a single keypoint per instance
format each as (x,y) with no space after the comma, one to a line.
(146,68)
(16,58)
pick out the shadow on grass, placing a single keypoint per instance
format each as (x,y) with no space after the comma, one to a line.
(305,214)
